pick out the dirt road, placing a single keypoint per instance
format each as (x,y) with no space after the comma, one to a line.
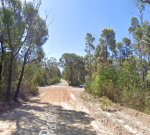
(53,112)
(61,111)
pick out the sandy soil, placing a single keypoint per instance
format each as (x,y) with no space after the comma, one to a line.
(75,116)
(38,115)
(121,121)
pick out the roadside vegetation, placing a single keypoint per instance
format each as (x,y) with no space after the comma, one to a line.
(23,66)
(120,71)
(73,68)
(114,72)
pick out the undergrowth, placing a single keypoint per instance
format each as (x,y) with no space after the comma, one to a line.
(120,85)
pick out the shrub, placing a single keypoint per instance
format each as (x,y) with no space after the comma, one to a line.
(121,85)
(53,80)
(27,91)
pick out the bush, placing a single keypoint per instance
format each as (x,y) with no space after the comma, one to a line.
(27,91)
(88,86)
(53,80)
(121,85)
(75,83)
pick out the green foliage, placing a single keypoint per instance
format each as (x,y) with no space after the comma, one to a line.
(37,78)
(50,73)
(105,103)
(88,86)
(120,85)
(108,42)
(120,80)
(75,83)
(89,56)
(53,80)
(23,32)
(74,70)
(27,91)
(148,75)
(124,76)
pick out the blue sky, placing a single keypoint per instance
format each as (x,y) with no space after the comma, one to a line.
(74,18)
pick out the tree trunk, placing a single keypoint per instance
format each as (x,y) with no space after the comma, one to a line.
(126,53)
(90,62)
(1,63)
(140,56)
(10,67)
(9,78)
(142,75)
(20,79)
(148,59)
(106,52)
(0,70)
(52,71)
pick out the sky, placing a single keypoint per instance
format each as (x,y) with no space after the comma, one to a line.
(72,19)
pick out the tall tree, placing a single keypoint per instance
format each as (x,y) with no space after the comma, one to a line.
(121,52)
(99,56)
(33,50)
(146,39)
(89,50)
(137,33)
(22,31)
(108,41)
(73,68)
(14,26)
(127,44)
(52,63)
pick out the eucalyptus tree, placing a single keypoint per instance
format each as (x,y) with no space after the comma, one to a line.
(58,72)
(73,68)
(121,52)
(89,48)
(52,64)
(95,57)
(141,46)
(79,70)
(67,63)
(108,42)
(13,25)
(141,4)
(97,51)
(136,30)
(22,31)
(146,40)
(99,55)
(33,51)
(2,45)
(127,44)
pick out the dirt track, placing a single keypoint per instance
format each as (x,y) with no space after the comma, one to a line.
(32,117)
(61,111)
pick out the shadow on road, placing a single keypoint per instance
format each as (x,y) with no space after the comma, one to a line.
(29,119)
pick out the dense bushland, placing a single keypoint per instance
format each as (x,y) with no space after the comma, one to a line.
(73,68)
(121,71)
(22,36)
(121,85)
(51,72)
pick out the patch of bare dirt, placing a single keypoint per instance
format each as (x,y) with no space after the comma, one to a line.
(121,121)
(78,114)
(29,119)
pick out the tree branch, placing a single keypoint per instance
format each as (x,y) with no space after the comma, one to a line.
(31,61)
(17,45)
(145,42)
(146,1)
